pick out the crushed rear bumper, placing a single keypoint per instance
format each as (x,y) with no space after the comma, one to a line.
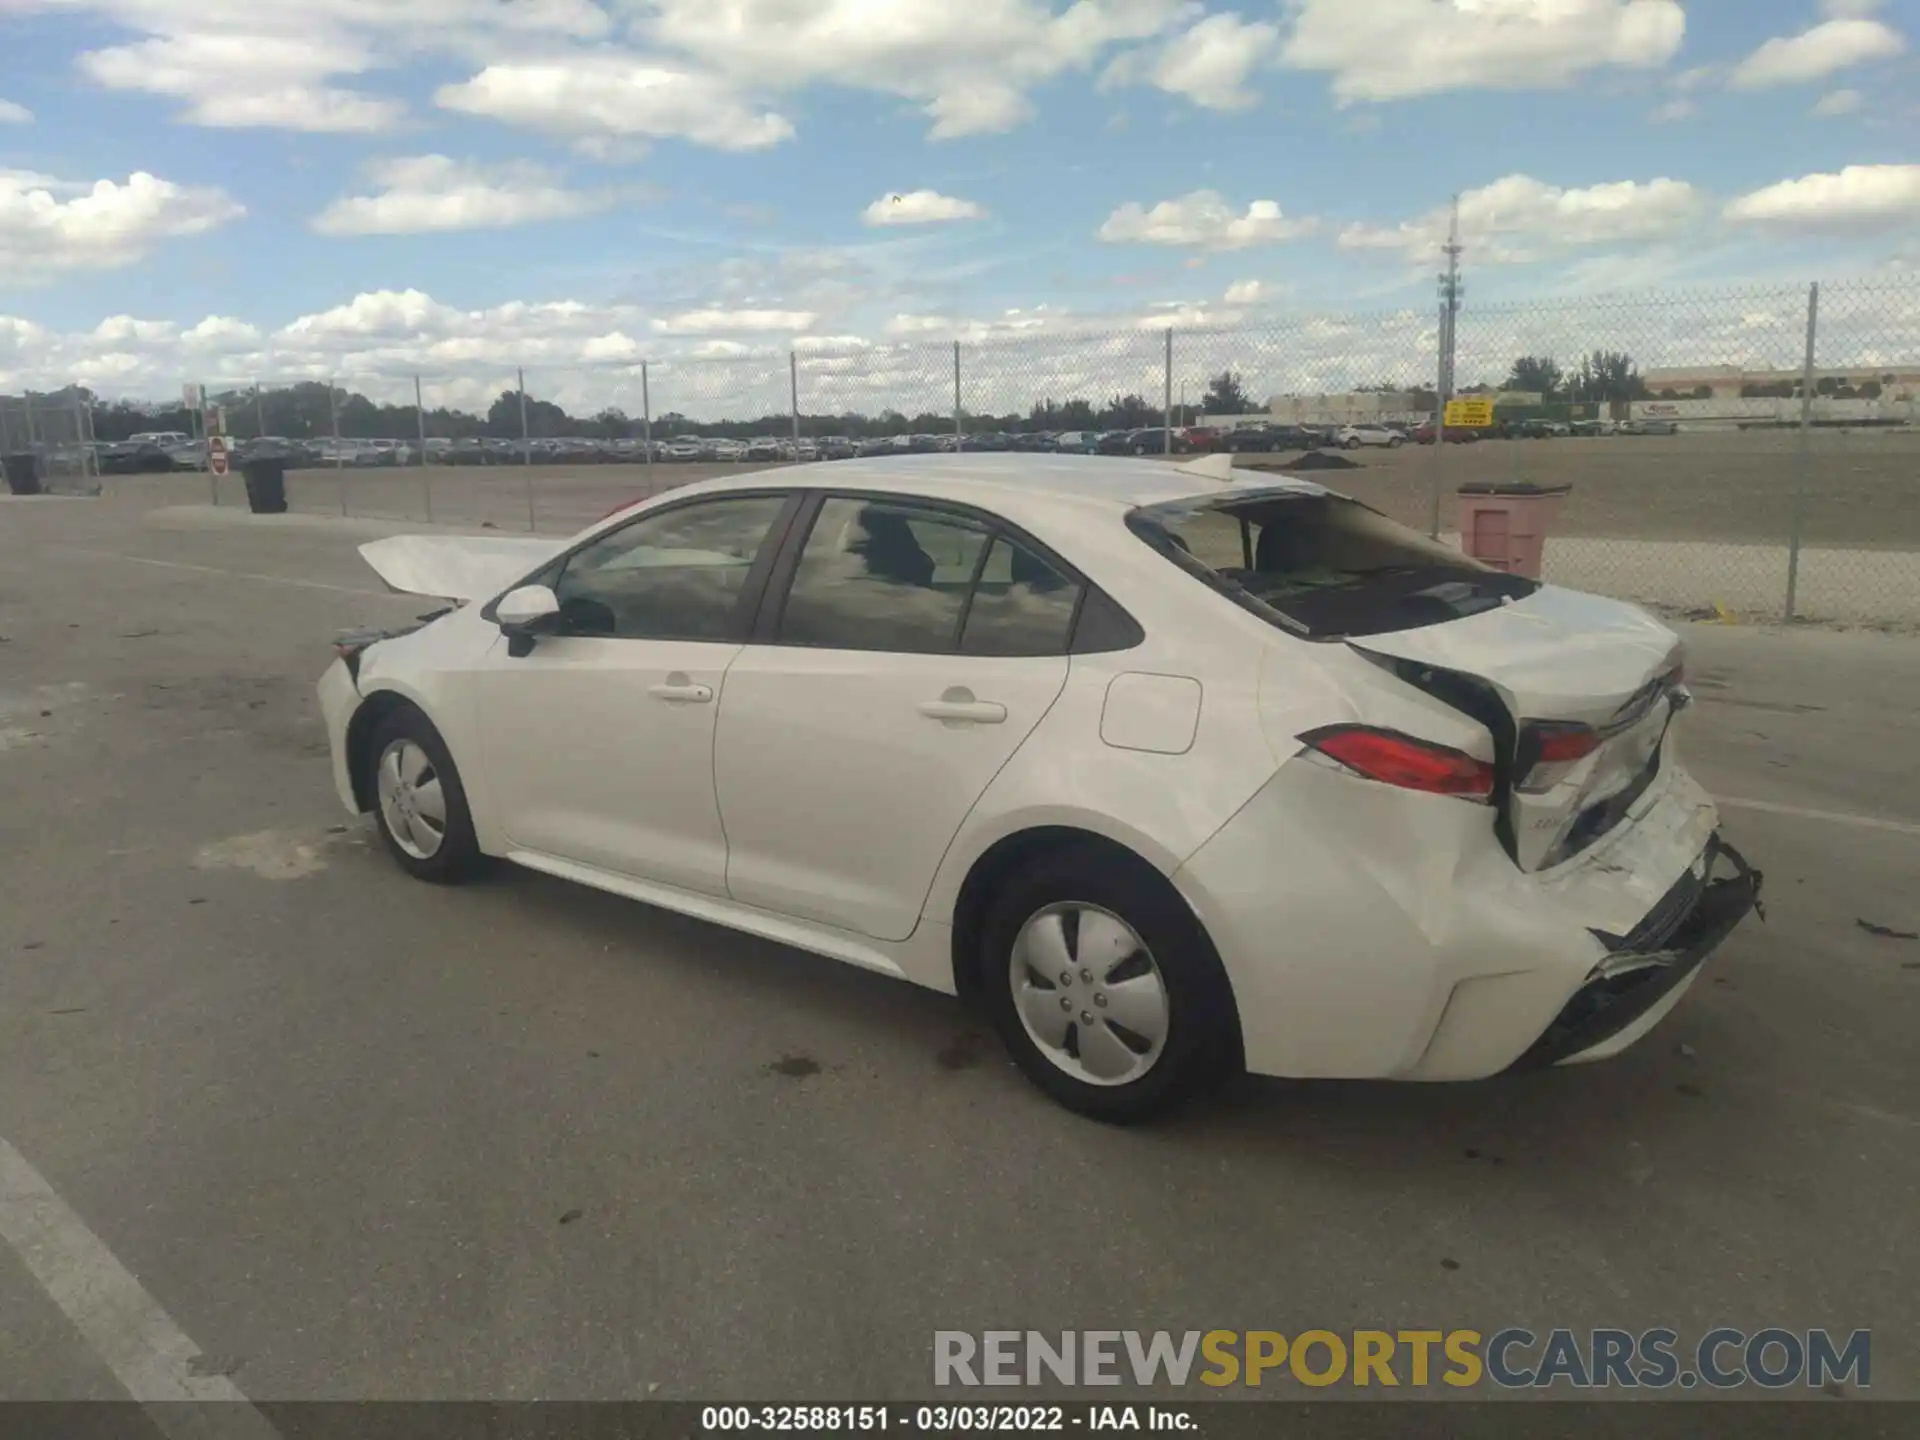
(1653,963)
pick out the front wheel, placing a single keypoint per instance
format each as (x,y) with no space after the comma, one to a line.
(1395,443)
(1105,989)
(420,803)
(1354,443)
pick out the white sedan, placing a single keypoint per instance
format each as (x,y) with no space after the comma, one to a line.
(1172,771)
(1352,437)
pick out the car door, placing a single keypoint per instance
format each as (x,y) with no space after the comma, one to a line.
(905,653)
(599,740)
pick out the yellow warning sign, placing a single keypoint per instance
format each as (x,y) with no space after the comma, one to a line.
(1469,414)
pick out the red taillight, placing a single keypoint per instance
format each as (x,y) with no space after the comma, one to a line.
(1396,759)
(1560,745)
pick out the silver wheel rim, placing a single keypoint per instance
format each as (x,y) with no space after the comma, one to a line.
(413,804)
(1089,994)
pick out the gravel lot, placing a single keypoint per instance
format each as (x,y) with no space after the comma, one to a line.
(361,1137)
(1735,487)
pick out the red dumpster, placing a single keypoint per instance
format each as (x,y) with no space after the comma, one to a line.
(1506,526)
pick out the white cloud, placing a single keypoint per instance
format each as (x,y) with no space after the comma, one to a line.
(423,193)
(1392,49)
(1208,63)
(1248,292)
(606,97)
(1859,199)
(1519,219)
(708,322)
(1831,46)
(919,207)
(12,114)
(969,63)
(264,80)
(1839,102)
(1670,111)
(1203,220)
(48,225)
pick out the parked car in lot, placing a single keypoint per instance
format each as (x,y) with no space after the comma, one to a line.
(837,447)
(1446,836)
(683,450)
(764,447)
(1425,435)
(1352,437)
(1595,427)
(1648,426)
(183,452)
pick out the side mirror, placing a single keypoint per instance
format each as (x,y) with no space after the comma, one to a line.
(524,613)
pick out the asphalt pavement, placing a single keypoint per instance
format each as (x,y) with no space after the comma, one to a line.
(359,1137)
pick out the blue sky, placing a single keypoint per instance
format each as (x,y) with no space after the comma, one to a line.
(377,182)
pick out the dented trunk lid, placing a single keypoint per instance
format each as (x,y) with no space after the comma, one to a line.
(457,567)
(1571,671)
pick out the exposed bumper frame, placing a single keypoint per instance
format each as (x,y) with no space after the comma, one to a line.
(1664,950)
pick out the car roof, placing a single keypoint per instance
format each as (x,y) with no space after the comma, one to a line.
(1016,486)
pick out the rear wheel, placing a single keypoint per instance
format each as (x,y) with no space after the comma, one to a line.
(419,802)
(1105,989)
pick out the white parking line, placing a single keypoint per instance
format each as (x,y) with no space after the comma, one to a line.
(148,1354)
(216,570)
(1829,817)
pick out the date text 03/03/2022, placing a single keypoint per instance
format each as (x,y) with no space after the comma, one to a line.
(940,1419)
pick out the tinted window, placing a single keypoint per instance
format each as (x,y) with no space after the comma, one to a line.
(881,575)
(674,576)
(1022,605)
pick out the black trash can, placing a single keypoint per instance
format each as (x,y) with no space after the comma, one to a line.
(22,471)
(266,485)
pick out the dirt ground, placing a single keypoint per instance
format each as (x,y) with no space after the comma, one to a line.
(1739,487)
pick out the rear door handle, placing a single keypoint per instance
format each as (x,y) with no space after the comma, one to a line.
(679,690)
(958,707)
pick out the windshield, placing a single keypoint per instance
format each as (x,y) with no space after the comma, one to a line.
(1322,566)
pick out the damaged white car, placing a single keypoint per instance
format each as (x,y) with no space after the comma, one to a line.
(1171,770)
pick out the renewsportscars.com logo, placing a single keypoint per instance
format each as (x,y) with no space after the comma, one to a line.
(1513,1359)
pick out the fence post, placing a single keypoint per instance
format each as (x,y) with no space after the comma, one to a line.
(793,391)
(87,438)
(646,421)
(259,413)
(426,480)
(526,442)
(333,428)
(87,470)
(959,427)
(1440,397)
(1805,466)
(1166,400)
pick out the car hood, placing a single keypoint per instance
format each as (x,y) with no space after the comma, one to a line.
(456,567)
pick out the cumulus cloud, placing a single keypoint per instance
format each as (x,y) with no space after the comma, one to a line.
(1839,102)
(709,322)
(49,225)
(919,207)
(1208,63)
(12,114)
(1393,49)
(264,80)
(424,193)
(969,64)
(1519,219)
(1831,46)
(1248,292)
(1861,199)
(598,98)
(1203,220)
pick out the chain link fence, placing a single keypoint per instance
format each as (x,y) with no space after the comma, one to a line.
(1752,452)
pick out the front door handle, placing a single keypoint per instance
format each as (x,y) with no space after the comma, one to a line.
(958,707)
(677,689)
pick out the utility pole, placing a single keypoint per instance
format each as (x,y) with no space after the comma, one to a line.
(1451,289)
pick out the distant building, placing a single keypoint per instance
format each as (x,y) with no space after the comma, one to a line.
(1735,382)
(1357,408)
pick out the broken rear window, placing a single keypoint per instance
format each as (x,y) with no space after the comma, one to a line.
(1322,566)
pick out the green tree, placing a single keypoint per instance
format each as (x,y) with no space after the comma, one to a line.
(1536,375)
(1226,396)
(1607,375)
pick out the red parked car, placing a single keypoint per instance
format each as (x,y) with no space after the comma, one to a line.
(1455,436)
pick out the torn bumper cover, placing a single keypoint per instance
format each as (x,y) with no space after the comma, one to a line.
(1661,954)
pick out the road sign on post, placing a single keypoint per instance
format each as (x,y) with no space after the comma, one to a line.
(1469,414)
(217,455)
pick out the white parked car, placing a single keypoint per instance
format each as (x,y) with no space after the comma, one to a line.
(1352,437)
(1171,772)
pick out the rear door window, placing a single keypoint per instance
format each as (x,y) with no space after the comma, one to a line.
(1320,565)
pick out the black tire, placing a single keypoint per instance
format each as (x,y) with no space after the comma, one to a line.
(1395,443)
(1202,1048)
(459,858)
